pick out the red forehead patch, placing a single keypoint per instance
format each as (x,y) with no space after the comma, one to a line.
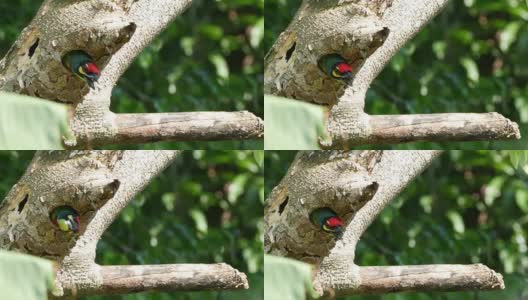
(343,68)
(334,222)
(92,68)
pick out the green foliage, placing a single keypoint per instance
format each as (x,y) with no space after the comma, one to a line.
(30,123)
(470,58)
(292,124)
(204,208)
(467,207)
(24,277)
(287,279)
(208,59)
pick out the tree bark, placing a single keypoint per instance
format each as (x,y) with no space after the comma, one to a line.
(426,278)
(178,277)
(357,185)
(98,185)
(113,33)
(367,34)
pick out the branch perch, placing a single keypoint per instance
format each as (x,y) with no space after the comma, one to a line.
(98,185)
(184,126)
(172,277)
(425,278)
(113,33)
(367,34)
(357,185)
(441,127)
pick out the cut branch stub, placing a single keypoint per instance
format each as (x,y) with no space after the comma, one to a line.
(85,192)
(337,180)
(352,30)
(33,64)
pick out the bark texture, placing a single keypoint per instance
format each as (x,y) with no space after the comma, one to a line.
(113,33)
(178,277)
(367,34)
(98,185)
(357,185)
(426,278)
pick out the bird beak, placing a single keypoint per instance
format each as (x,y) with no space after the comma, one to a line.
(347,76)
(339,233)
(91,83)
(73,224)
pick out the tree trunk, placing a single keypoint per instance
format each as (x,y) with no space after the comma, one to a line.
(367,34)
(113,33)
(98,185)
(357,185)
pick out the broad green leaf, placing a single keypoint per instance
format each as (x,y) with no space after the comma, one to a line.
(509,35)
(222,70)
(257,33)
(291,124)
(287,279)
(471,68)
(200,220)
(456,220)
(24,277)
(521,198)
(32,123)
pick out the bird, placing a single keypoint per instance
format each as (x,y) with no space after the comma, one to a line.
(66,218)
(82,64)
(327,220)
(335,66)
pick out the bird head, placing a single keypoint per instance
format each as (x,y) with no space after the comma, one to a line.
(90,72)
(342,71)
(334,225)
(66,219)
(70,223)
(327,220)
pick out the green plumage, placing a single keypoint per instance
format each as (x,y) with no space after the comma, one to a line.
(81,64)
(327,220)
(66,218)
(320,215)
(330,64)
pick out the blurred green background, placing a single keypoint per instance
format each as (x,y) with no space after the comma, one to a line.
(467,207)
(204,208)
(208,59)
(470,58)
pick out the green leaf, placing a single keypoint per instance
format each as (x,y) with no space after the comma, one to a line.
(456,220)
(287,279)
(222,70)
(291,124)
(168,200)
(521,198)
(237,188)
(24,277)
(32,123)
(199,219)
(471,68)
(509,35)
(256,34)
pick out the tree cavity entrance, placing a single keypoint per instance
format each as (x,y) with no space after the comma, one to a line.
(290,51)
(282,206)
(33,47)
(22,203)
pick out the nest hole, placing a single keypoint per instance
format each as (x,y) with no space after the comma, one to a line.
(290,51)
(282,206)
(22,203)
(33,47)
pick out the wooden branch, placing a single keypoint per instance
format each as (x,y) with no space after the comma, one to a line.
(381,280)
(394,129)
(442,127)
(184,126)
(171,277)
